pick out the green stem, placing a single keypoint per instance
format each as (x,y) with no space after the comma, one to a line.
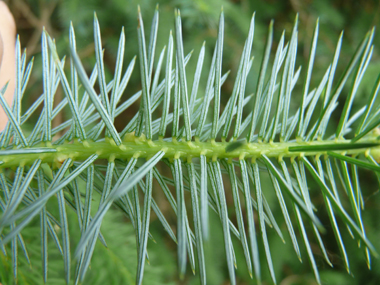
(141,147)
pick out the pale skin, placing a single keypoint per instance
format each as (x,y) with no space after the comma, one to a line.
(7,57)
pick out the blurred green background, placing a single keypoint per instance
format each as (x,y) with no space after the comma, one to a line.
(117,265)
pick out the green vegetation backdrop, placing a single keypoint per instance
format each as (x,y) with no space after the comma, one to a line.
(117,264)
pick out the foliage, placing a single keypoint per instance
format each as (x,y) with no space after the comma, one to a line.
(209,145)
